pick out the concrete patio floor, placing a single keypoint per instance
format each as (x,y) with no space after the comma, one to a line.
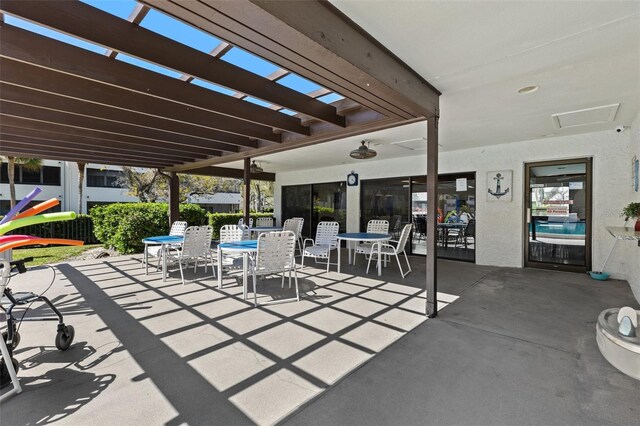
(517,347)
(148,352)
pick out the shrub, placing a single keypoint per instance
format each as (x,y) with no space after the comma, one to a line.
(216,220)
(80,228)
(124,225)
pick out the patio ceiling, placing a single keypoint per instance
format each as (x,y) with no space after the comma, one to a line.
(61,101)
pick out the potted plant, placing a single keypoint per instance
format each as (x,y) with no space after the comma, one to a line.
(633,211)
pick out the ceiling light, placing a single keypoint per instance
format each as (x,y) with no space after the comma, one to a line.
(363,152)
(254,168)
(528,89)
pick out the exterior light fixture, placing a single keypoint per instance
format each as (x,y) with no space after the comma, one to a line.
(254,168)
(363,152)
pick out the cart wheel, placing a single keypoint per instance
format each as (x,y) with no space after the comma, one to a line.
(64,338)
(16,339)
(5,378)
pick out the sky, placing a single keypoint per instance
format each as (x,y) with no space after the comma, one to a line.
(176,30)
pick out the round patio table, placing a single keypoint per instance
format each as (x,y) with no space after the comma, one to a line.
(164,241)
(363,236)
(261,229)
(446,227)
(244,247)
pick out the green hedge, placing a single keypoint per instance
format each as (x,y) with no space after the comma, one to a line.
(216,220)
(124,225)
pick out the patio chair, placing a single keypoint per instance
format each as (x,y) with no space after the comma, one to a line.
(196,246)
(295,225)
(275,256)
(388,249)
(469,232)
(229,233)
(177,229)
(241,222)
(326,240)
(264,221)
(374,226)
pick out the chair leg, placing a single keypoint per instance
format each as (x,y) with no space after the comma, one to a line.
(255,293)
(295,275)
(181,273)
(369,262)
(328,260)
(399,265)
(282,282)
(408,264)
(289,277)
(302,261)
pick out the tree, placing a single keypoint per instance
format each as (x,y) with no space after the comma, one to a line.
(142,183)
(261,195)
(29,164)
(81,167)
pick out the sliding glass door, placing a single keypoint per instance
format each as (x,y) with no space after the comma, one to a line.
(315,203)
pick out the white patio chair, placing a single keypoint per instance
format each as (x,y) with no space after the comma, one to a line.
(196,246)
(177,229)
(326,240)
(241,222)
(295,225)
(230,233)
(264,221)
(388,249)
(374,226)
(275,256)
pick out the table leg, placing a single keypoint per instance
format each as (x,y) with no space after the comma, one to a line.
(164,263)
(146,259)
(219,254)
(379,258)
(245,268)
(339,244)
(349,250)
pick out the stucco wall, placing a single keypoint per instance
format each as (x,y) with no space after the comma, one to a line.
(499,226)
(631,252)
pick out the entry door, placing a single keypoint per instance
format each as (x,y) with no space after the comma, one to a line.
(558,215)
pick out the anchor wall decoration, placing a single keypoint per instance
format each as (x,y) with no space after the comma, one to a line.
(499,185)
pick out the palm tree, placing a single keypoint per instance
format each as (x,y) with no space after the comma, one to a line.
(29,164)
(81,167)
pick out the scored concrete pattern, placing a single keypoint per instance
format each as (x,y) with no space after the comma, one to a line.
(148,352)
(517,348)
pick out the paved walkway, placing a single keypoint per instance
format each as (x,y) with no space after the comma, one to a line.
(517,348)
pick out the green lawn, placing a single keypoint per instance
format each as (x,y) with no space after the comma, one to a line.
(48,255)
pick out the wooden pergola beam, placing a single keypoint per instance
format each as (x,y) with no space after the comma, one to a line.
(94,25)
(192,121)
(115,161)
(161,138)
(38,98)
(231,173)
(135,17)
(315,41)
(61,141)
(57,131)
(10,143)
(44,52)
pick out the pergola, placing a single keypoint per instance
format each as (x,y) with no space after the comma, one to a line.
(58,101)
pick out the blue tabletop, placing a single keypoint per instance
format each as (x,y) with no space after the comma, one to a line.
(266,228)
(452,225)
(163,239)
(240,245)
(364,236)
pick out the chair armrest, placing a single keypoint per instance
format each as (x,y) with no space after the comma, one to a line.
(304,242)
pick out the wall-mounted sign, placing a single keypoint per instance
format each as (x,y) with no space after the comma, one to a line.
(499,185)
(461,184)
(576,185)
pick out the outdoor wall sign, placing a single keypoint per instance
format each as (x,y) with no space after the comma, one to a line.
(499,185)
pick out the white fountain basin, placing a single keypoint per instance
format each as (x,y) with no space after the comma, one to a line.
(621,351)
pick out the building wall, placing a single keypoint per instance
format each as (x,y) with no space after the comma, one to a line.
(630,251)
(499,227)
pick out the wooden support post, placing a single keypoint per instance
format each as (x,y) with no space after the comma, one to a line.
(432,217)
(174,198)
(247,189)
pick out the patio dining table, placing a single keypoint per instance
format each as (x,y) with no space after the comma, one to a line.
(164,241)
(446,227)
(260,229)
(363,236)
(244,247)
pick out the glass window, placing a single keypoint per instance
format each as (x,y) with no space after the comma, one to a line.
(386,199)
(103,178)
(296,202)
(457,216)
(51,175)
(30,176)
(330,204)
